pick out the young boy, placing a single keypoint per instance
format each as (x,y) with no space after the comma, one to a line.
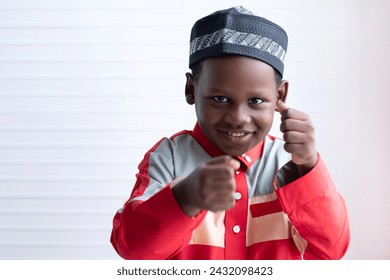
(227,189)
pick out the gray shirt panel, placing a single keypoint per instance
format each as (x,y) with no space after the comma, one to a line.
(261,174)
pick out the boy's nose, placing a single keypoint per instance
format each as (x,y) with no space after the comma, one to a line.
(237,116)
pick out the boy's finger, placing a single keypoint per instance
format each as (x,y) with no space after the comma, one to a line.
(281,106)
(235,164)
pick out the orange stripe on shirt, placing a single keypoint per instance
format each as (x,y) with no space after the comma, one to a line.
(211,230)
(266,228)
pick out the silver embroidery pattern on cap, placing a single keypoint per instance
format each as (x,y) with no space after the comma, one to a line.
(230,36)
(244,11)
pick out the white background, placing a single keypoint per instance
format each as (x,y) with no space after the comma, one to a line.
(87,87)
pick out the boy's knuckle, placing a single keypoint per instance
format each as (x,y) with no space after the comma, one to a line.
(226,170)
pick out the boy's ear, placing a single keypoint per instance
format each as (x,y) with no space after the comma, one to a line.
(282,92)
(190,89)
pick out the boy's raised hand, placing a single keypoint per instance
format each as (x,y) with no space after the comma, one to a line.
(298,133)
(209,187)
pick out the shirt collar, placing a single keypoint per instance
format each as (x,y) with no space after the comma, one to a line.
(246,159)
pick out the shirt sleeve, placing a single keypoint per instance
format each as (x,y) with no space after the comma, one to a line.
(316,210)
(151,225)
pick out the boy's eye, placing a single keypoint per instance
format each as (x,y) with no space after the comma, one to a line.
(220,99)
(255,101)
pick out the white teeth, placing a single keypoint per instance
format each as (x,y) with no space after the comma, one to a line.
(234,134)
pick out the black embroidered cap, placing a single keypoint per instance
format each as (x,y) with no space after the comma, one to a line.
(238,31)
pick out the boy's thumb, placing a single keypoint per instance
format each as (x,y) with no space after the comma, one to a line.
(235,164)
(281,106)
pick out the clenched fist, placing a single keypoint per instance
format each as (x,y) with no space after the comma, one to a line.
(209,187)
(298,133)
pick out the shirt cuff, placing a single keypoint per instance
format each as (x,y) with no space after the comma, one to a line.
(169,213)
(296,193)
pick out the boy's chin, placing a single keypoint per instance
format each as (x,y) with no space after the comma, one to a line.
(236,151)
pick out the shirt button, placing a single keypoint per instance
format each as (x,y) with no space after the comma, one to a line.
(237,195)
(237,172)
(248,159)
(236,229)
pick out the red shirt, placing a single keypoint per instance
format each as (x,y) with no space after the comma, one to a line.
(277,215)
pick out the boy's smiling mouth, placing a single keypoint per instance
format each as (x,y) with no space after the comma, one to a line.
(234,142)
(236,134)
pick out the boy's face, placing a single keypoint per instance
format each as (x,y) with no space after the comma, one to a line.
(235,99)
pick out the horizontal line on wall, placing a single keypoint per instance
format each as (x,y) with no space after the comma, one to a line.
(64,179)
(96,7)
(66,146)
(59,196)
(56,60)
(136,114)
(70,25)
(54,228)
(27,43)
(55,94)
(65,94)
(75,129)
(78,78)
(54,244)
(27,212)
(159,6)
(53,163)
(83,112)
